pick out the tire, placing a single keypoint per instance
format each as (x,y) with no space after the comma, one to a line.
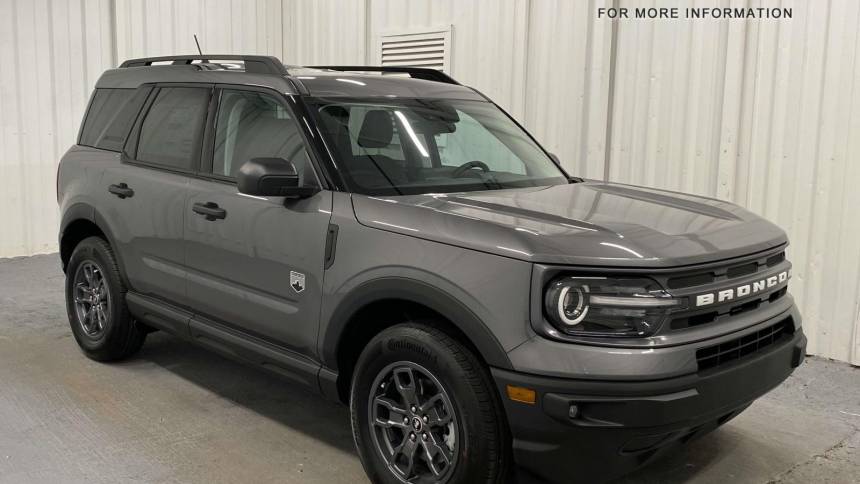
(105,332)
(439,366)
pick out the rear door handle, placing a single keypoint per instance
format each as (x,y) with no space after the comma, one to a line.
(122,190)
(210,210)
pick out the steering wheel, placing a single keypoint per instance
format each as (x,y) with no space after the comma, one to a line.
(462,169)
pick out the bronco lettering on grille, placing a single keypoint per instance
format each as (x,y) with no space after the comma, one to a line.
(738,292)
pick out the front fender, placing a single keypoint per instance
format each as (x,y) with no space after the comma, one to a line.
(418,292)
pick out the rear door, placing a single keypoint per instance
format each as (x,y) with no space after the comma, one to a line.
(258,266)
(144,196)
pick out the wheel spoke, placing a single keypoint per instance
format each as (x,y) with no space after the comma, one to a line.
(432,449)
(395,414)
(404,381)
(87,321)
(390,404)
(407,449)
(437,420)
(389,423)
(431,402)
(102,317)
(82,288)
(88,275)
(437,415)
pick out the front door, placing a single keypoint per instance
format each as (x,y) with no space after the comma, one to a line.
(257,265)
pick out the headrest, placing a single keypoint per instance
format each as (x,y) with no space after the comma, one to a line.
(377,130)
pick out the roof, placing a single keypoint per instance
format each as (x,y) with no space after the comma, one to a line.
(132,77)
(264,71)
(330,83)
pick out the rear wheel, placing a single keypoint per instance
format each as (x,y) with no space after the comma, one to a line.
(95,302)
(424,410)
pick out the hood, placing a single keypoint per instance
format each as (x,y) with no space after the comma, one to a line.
(590,223)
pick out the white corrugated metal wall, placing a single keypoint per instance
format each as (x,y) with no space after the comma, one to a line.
(765,114)
(51,53)
(757,112)
(167,27)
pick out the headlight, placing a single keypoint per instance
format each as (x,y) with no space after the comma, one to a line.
(602,306)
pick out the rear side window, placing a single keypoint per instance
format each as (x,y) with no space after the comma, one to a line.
(110,116)
(170,133)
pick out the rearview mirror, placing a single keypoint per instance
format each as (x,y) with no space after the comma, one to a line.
(271,177)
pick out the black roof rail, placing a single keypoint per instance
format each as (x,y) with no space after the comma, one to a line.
(416,72)
(257,64)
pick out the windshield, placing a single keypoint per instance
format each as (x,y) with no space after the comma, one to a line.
(404,147)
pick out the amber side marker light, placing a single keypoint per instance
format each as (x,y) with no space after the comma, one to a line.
(522,395)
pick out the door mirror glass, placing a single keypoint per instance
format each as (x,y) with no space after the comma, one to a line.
(271,177)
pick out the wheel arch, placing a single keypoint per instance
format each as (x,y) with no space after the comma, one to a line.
(376,305)
(80,221)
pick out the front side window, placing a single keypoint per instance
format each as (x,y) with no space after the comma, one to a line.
(250,125)
(409,146)
(171,132)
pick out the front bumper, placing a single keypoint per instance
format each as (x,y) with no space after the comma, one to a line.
(619,426)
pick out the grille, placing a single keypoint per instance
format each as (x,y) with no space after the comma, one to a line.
(725,273)
(720,276)
(738,348)
(728,311)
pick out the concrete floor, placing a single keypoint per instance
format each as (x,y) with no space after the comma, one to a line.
(177,413)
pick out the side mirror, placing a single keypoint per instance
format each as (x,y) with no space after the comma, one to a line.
(271,177)
(555,158)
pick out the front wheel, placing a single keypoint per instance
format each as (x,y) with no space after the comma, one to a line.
(425,411)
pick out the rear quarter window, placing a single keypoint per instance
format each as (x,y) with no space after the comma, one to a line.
(110,117)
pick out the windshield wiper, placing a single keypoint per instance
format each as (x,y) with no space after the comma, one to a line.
(490,181)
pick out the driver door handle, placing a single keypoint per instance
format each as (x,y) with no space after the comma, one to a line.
(210,210)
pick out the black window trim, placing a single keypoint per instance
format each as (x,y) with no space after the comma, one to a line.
(86,115)
(208,153)
(88,112)
(129,152)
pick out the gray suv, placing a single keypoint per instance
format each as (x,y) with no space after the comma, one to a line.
(394,240)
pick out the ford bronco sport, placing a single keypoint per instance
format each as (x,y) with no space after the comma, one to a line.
(394,240)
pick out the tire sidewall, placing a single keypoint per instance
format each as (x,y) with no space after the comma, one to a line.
(406,343)
(90,250)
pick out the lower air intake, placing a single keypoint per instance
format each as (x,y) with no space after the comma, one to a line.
(716,355)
